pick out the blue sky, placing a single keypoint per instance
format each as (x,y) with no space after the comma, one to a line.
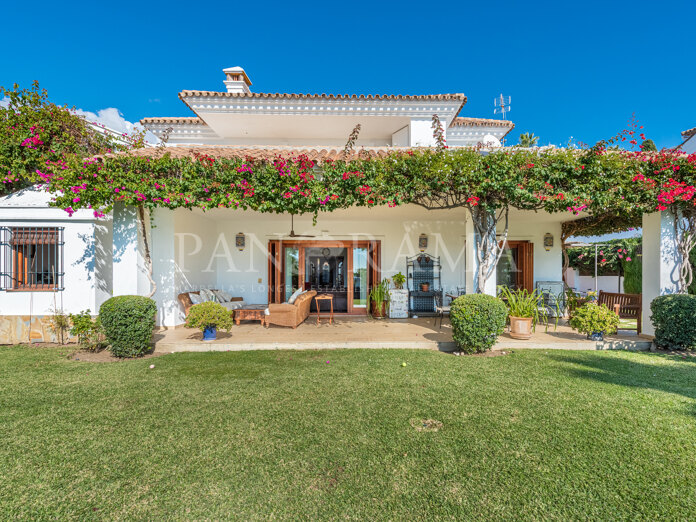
(575,69)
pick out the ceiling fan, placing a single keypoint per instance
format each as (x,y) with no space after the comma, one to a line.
(292,228)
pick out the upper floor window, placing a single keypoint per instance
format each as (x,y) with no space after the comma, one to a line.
(31,258)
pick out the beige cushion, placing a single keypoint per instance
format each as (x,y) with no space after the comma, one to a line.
(223,296)
(233,305)
(295,295)
(208,295)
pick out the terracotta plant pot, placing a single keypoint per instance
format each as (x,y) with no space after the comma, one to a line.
(379,312)
(425,287)
(520,327)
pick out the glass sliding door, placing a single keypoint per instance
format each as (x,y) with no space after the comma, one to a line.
(360,277)
(291,263)
(344,269)
(325,272)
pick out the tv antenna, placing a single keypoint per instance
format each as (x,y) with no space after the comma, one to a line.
(501,105)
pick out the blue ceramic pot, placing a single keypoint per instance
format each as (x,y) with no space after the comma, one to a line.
(210,333)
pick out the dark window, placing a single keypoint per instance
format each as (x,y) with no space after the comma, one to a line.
(31,258)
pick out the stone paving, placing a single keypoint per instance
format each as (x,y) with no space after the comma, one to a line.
(365,332)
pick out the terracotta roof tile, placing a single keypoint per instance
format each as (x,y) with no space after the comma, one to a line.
(318,155)
(480,122)
(689,132)
(423,97)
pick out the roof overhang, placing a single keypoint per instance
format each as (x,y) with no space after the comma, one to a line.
(311,118)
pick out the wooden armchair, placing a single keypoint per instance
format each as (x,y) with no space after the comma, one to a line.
(627,306)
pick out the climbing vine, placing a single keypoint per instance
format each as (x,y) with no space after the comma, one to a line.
(601,186)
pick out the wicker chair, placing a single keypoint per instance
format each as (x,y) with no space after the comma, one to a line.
(284,314)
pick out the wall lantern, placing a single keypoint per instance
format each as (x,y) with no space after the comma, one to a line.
(548,241)
(240,241)
(422,242)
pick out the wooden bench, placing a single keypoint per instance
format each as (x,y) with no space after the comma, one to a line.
(627,306)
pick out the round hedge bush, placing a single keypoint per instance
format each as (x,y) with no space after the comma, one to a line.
(477,321)
(674,319)
(209,314)
(128,321)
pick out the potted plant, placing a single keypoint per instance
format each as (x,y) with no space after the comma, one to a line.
(379,296)
(399,280)
(525,310)
(594,320)
(398,298)
(208,317)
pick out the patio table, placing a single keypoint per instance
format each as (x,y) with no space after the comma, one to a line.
(317,300)
(251,313)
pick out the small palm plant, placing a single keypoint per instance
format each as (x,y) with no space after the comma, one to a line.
(528,140)
(522,303)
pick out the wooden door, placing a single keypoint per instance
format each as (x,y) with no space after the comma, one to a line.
(516,269)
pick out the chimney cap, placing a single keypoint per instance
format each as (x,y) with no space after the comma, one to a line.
(237,70)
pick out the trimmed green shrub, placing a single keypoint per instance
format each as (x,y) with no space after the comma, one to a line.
(593,318)
(674,318)
(128,321)
(209,314)
(477,321)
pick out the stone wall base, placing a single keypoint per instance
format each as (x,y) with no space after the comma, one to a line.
(22,329)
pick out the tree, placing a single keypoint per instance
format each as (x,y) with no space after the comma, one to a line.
(528,140)
(648,146)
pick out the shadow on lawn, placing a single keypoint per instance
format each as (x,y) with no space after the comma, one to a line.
(679,379)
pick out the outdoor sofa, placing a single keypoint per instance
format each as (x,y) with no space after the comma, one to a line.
(285,314)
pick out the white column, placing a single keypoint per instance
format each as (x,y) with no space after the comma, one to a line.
(661,261)
(129,276)
(421,133)
(164,268)
(472,263)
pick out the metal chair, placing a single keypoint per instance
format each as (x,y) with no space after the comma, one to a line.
(440,308)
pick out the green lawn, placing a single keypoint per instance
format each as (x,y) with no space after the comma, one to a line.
(286,435)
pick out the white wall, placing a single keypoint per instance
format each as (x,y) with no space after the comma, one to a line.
(587,283)
(206,256)
(84,268)
(530,226)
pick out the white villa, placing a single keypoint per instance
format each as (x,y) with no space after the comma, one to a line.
(49,260)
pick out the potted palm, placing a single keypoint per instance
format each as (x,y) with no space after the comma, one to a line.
(208,317)
(594,320)
(379,297)
(525,310)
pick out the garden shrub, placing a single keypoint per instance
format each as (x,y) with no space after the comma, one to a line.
(128,321)
(674,318)
(89,332)
(594,318)
(209,314)
(477,321)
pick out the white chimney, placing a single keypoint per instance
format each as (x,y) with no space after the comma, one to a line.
(236,80)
